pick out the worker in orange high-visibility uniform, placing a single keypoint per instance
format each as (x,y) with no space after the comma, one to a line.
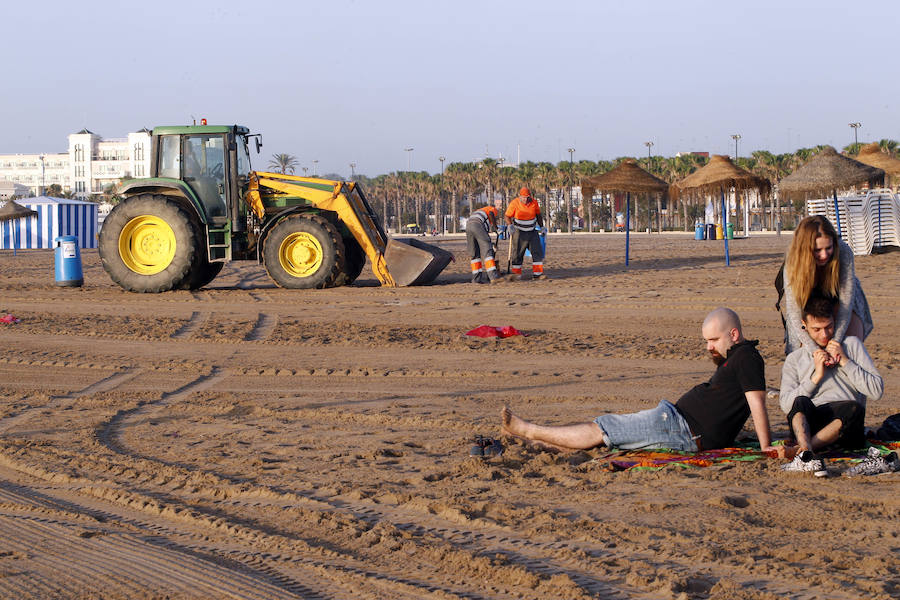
(479,226)
(524,219)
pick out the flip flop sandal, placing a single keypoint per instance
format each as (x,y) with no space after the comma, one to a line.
(494,449)
(482,444)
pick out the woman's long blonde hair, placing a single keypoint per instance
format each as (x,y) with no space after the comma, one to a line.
(801,263)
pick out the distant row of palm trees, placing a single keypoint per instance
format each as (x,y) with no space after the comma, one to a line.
(283,163)
(410,197)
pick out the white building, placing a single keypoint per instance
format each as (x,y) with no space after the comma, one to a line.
(10,189)
(30,170)
(90,166)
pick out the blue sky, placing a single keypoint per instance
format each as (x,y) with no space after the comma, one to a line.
(343,81)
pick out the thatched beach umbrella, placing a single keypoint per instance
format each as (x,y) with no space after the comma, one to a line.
(718,176)
(13,212)
(626,177)
(871,155)
(827,172)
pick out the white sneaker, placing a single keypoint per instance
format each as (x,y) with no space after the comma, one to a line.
(875,463)
(806,462)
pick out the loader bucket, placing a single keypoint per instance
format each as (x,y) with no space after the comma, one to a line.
(411,262)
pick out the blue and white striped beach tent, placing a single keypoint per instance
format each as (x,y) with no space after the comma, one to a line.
(55,217)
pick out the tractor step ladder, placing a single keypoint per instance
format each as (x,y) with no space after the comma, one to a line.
(219,245)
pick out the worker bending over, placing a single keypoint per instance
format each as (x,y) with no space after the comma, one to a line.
(524,219)
(479,225)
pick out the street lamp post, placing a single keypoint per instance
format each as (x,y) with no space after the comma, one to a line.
(649,145)
(856,127)
(315,168)
(408,158)
(736,137)
(442,158)
(41,191)
(649,157)
(305,169)
(352,171)
(571,182)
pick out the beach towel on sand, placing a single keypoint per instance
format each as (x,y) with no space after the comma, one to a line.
(654,460)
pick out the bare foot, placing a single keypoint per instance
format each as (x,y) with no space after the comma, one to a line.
(513,425)
(519,428)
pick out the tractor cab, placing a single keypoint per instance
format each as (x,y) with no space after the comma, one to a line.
(212,161)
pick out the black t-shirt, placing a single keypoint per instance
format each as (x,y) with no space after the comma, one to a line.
(717,410)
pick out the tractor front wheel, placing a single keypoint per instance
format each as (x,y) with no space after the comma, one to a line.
(303,252)
(147,244)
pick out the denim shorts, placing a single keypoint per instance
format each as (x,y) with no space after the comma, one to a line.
(660,427)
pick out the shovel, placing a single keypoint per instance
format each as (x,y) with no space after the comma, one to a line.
(508,251)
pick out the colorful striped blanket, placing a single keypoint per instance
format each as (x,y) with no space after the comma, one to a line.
(654,460)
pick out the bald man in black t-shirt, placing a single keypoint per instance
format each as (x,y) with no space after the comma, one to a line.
(708,416)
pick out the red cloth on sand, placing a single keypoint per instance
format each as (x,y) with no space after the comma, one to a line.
(489,331)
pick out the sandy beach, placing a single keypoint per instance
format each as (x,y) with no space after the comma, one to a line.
(245,441)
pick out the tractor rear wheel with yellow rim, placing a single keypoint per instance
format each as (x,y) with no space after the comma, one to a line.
(148,244)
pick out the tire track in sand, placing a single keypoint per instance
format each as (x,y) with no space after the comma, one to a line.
(532,556)
(287,564)
(263,328)
(105,538)
(104,385)
(108,433)
(187,330)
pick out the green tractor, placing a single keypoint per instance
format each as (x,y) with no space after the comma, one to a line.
(203,206)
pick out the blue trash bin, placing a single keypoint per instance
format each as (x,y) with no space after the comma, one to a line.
(68,262)
(711,231)
(700,232)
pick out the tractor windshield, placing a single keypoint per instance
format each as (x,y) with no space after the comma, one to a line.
(243,158)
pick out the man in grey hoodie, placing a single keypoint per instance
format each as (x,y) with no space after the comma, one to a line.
(824,388)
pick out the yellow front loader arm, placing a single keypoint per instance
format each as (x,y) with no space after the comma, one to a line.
(393,263)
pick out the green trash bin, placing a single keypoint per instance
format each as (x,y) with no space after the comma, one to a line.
(730,231)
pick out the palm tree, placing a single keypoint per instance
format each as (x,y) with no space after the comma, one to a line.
(283,163)
(487,169)
(655,166)
(583,169)
(765,165)
(889,147)
(377,188)
(392,189)
(423,187)
(680,167)
(546,176)
(507,178)
(526,174)
(460,179)
(773,167)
